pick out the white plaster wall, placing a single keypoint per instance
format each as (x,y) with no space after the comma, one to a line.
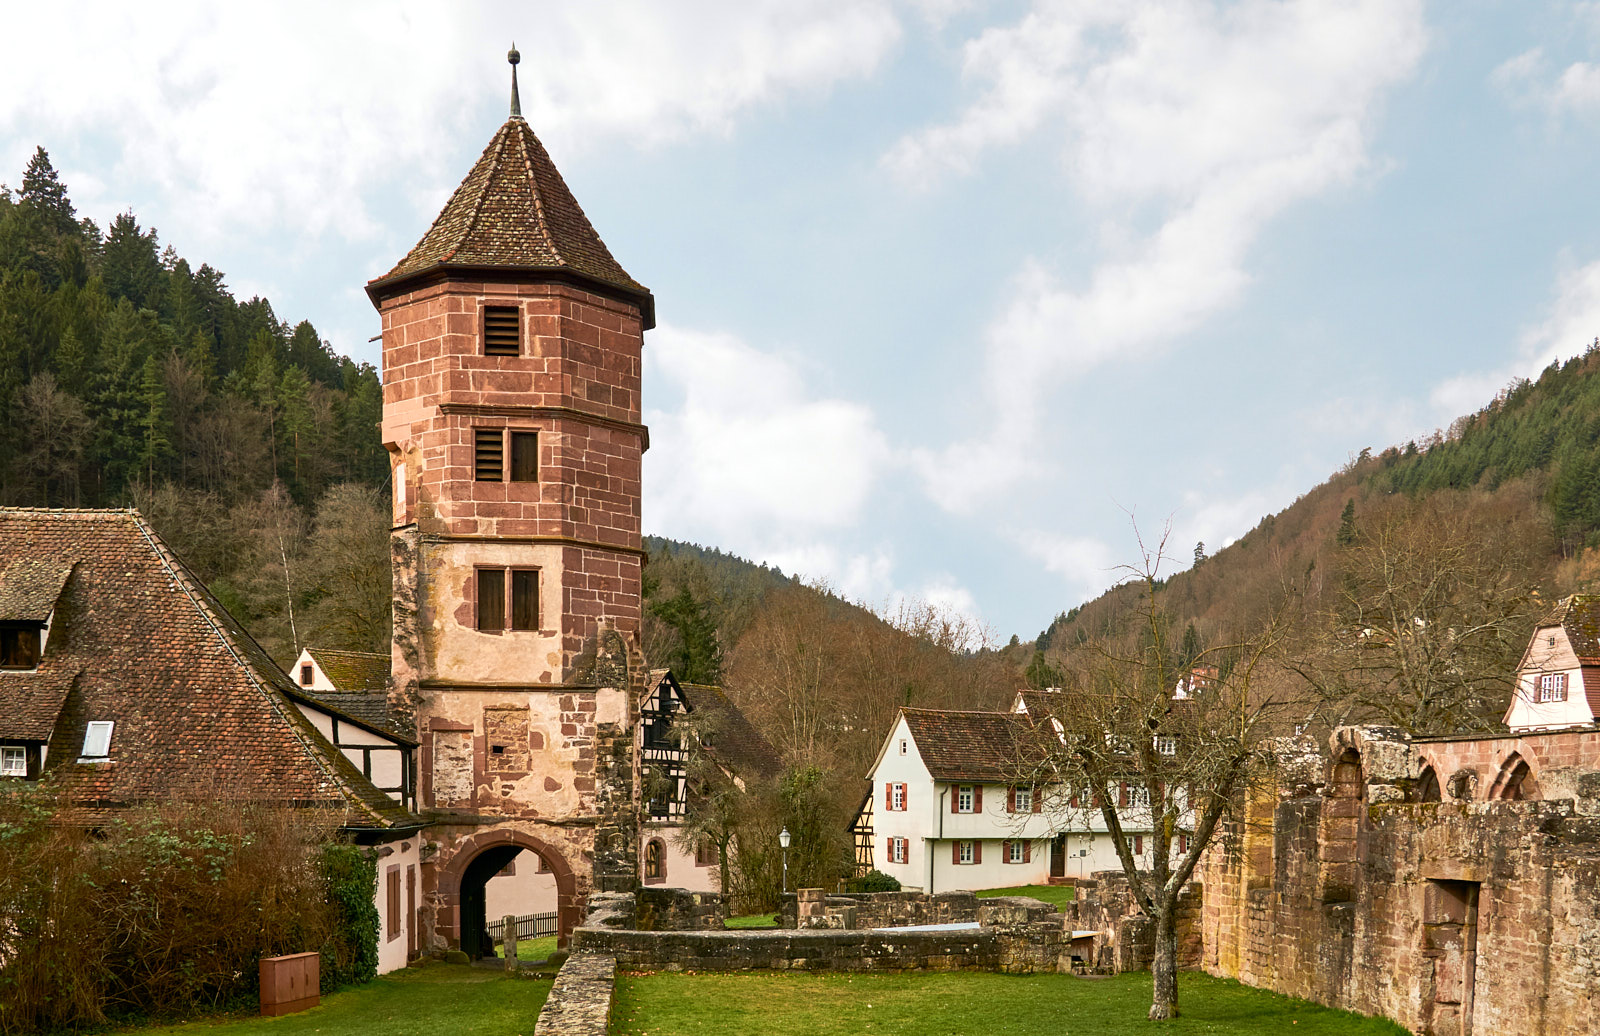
(915,823)
(392,950)
(319,679)
(526,891)
(456,649)
(1526,711)
(993,872)
(681,870)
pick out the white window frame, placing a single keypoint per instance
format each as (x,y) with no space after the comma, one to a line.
(899,850)
(1167,746)
(965,852)
(1138,795)
(1015,853)
(897,797)
(13,761)
(97,736)
(1552,687)
(964,797)
(1023,798)
(902,746)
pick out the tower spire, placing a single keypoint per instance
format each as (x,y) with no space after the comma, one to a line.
(516,102)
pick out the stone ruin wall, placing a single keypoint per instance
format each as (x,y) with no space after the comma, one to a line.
(1344,890)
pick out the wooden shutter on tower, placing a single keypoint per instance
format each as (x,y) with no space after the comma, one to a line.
(1027,852)
(1011,799)
(502,331)
(977,798)
(1035,802)
(1005,852)
(977,852)
(955,852)
(1122,793)
(888,795)
(905,797)
(488,454)
(955,798)
(491,598)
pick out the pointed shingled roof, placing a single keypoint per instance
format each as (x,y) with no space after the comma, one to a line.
(514,212)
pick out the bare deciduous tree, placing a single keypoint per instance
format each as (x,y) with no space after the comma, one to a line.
(1138,741)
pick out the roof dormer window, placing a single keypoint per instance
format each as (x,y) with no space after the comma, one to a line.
(21,644)
(97,742)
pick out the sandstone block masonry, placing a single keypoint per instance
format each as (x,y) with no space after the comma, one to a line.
(1464,914)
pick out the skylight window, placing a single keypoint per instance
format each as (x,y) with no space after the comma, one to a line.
(97,741)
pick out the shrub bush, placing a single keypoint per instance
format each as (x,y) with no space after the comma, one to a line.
(167,911)
(873,881)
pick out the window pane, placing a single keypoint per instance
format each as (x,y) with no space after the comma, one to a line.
(524,456)
(13,762)
(19,648)
(524,600)
(488,454)
(97,740)
(491,599)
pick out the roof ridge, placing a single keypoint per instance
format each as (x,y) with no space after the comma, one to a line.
(538,196)
(499,146)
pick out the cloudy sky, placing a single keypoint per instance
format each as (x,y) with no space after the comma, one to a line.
(947,289)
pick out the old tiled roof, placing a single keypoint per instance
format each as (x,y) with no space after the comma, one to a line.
(368,708)
(201,711)
(1580,616)
(352,670)
(972,746)
(29,588)
(31,702)
(514,212)
(1039,704)
(734,740)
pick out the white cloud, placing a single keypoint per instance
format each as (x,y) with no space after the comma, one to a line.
(1570,323)
(1088,565)
(752,450)
(1212,120)
(249,117)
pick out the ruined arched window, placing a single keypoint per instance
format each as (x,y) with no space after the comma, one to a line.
(1428,789)
(1516,782)
(655,862)
(1342,810)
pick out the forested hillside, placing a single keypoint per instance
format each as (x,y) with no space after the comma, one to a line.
(1413,576)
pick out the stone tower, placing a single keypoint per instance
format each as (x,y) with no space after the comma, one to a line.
(511,413)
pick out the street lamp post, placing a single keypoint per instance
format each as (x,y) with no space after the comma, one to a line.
(783,840)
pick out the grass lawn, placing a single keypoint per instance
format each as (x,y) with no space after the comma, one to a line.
(761,1003)
(1059,895)
(454,998)
(531,949)
(767,920)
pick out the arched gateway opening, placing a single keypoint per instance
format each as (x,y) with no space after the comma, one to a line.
(463,880)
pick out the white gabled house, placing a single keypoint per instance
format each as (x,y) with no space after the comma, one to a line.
(946,810)
(1558,681)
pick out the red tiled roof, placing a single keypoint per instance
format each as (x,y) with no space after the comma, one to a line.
(734,739)
(514,212)
(973,746)
(29,588)
(1579,616)
(201,711)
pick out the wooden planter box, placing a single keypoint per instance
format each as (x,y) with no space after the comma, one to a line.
(290,983)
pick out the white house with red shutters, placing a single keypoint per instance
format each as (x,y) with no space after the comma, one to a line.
(1558,682)
(947,811)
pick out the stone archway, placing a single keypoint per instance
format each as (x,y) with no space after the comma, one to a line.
(1515,781)
(461,883)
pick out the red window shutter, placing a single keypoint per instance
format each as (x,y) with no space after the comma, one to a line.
(1073,802)
(977,852)
(1005,852)
(955,852)
(1561,687)
(1011,799)
(955,798)
(1027,852)
(1138,845)
(888,796)
(1122,793)
(1035,801)
(977,798)
(905,797)
(888,849)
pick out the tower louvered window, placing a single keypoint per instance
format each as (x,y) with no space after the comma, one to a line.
(502,331)
(488,454)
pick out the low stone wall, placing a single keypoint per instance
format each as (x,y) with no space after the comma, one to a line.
(1124,938)
(580,999)
(1016,935)
(677,910)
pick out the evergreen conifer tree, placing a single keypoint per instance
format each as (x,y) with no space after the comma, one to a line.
(1347,524)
